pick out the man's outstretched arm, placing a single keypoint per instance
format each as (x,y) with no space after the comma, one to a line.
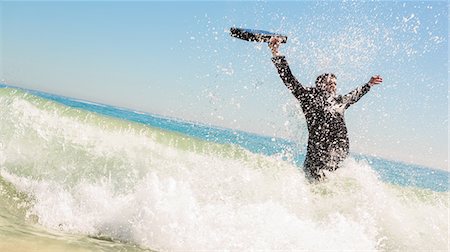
(359,92)
(283,69)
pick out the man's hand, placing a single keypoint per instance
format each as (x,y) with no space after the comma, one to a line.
(375,80)
(274,44)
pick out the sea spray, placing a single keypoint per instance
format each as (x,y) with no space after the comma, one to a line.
(84,173)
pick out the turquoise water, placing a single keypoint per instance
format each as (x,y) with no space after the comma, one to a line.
(80,176)
(390,171)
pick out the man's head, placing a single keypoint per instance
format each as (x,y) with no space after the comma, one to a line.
(326,82)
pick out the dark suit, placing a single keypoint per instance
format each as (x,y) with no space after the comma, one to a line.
(328,142)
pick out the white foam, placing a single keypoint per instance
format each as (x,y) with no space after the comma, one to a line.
(124,183)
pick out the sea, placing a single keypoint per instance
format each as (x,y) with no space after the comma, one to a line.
(81,176)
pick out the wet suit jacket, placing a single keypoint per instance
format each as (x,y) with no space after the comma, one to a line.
(328,142)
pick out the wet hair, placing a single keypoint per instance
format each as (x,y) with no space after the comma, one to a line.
(321,79)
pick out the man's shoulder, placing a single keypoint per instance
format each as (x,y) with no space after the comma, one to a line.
(311,90)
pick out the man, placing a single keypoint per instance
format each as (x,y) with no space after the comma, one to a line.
(328,143)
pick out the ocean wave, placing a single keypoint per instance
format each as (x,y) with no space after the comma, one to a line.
(85,173)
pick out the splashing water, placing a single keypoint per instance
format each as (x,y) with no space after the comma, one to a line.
(82,181)
(83,173)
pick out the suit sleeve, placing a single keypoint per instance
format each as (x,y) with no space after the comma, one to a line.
(287,77)
(355,95)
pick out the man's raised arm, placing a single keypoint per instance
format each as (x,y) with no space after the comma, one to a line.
(283,69)
(359,92)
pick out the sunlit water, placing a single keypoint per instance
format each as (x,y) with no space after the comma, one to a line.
(82,176)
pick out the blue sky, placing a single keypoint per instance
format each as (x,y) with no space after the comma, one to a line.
(177,59)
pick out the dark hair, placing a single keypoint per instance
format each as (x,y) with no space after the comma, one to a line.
(320,81)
